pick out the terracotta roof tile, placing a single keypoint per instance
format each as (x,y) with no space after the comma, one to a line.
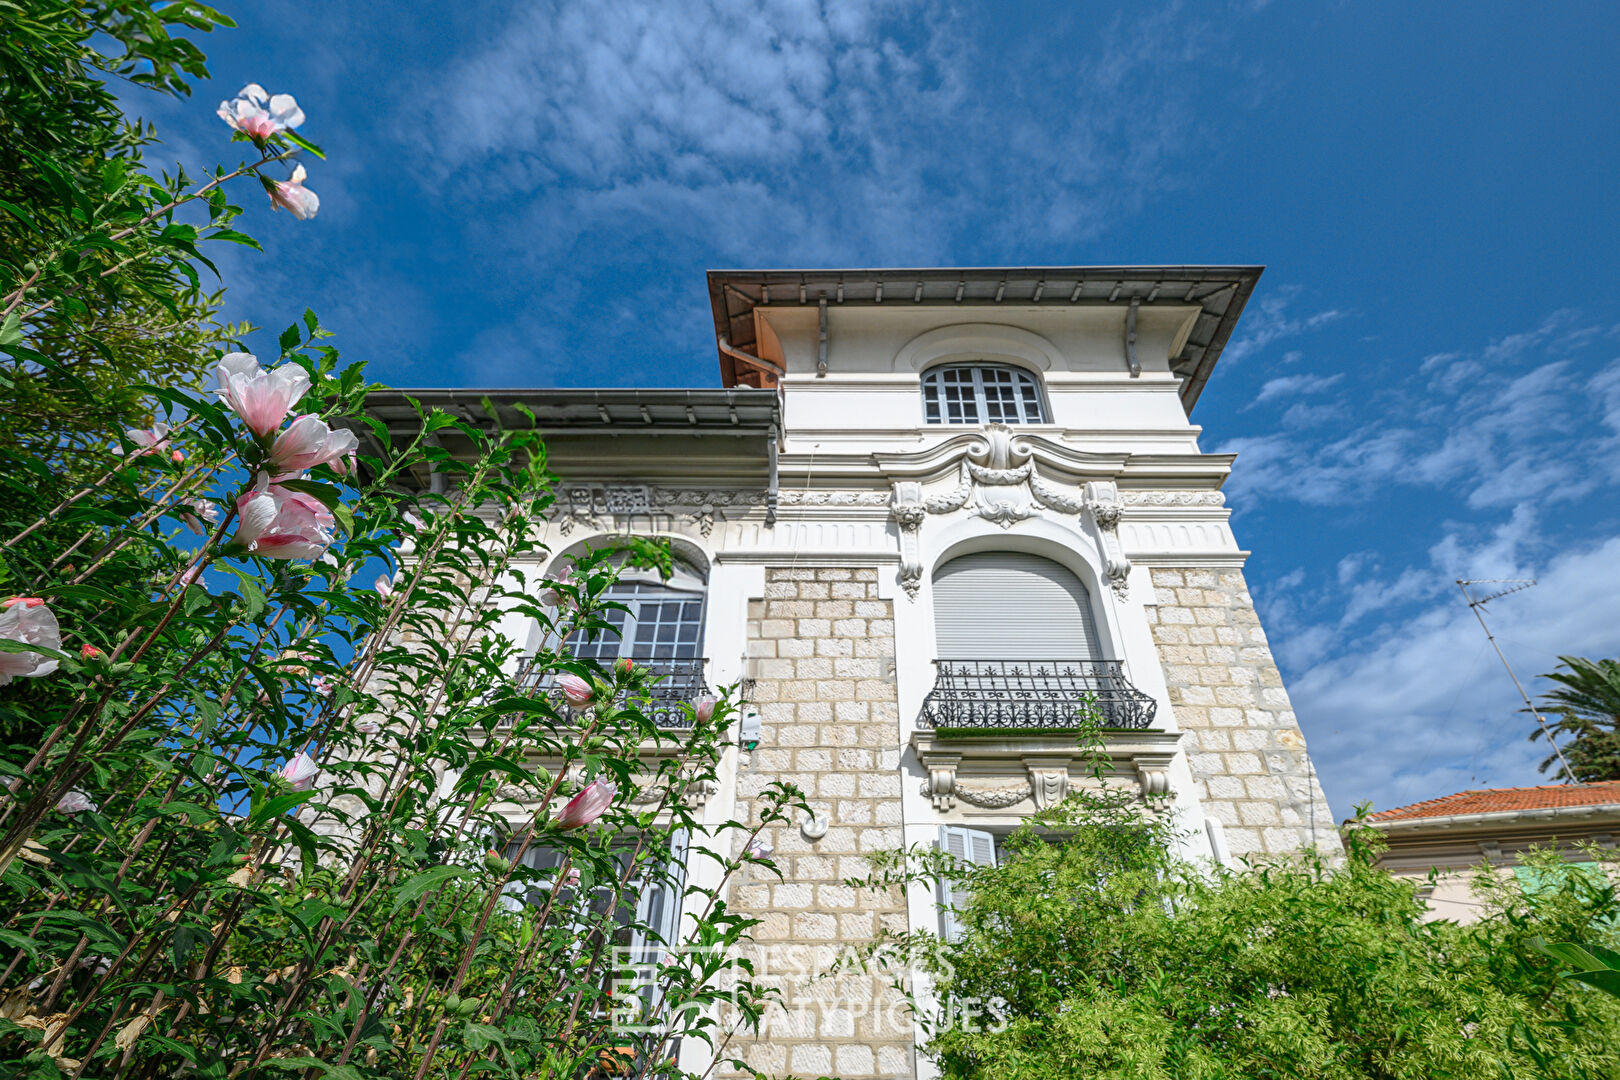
(1499,800)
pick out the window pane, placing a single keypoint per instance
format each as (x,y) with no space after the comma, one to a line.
(973,394)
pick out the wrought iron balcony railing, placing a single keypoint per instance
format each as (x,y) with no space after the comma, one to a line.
(675,682)
(1034,695)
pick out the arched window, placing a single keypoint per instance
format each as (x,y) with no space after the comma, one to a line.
(981,394)
(1006,605)
(663,620)
(1018,649)
(661,629)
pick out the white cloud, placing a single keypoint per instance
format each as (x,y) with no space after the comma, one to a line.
(1465,424)
(1291,385)
(1269,321)
(818,132)
(1422,707)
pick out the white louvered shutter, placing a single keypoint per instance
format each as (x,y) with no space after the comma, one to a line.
(969,845)
(1006,605)
(659,905)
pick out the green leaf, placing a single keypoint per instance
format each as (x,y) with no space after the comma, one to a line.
(11,329)
(307,843)
(19,213)
(253,599)
(331,497)
(112,175)
(289,339)
(234,237)
(21,941)
(484,766)
(414,887)
(10,645)
(280,804)
(186,938)
(1606,980)
(304,144)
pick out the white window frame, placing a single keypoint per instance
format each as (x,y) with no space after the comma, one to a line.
(933,393)
(683,585)
(976,846)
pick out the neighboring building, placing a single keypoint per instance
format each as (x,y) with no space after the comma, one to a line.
(1459,834)
(928,515)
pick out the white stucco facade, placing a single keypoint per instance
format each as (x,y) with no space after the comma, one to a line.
(820,535)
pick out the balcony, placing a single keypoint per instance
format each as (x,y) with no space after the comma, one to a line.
(675,683)
(1033,695)
(999,735)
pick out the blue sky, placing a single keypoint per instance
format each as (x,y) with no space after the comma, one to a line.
(1425,386)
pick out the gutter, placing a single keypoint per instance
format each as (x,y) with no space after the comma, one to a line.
(749,358)
(1497,817)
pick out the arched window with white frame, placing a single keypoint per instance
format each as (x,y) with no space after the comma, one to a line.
(981,393)
(656,623)
(1018,647)
(661,619)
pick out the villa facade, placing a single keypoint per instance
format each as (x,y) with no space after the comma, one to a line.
(929,514)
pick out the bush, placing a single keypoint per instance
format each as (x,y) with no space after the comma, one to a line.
(1091,951)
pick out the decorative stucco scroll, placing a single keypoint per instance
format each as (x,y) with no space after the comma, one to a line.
(1102,500)
(997,480)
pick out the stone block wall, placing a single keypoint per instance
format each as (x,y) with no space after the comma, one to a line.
(1247,755)
(821,644)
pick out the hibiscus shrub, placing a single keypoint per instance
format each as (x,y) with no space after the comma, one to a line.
(257,819)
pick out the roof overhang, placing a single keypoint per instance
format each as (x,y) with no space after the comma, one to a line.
(720,435)
(1220,291)
(1453,823)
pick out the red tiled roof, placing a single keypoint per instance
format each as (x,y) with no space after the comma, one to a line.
(1500,800)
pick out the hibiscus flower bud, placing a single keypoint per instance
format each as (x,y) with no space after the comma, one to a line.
(703,707)
(292,196)
(576,690)
(300,771)
(588,805)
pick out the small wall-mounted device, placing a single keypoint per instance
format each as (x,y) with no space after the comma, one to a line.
(813,826)
(748,732)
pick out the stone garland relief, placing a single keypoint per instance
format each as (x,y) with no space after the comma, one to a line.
(1048,782)
(998,481)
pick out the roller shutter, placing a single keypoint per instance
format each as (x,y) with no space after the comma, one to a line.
(1005,605)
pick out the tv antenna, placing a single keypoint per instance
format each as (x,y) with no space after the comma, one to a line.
(1506,586)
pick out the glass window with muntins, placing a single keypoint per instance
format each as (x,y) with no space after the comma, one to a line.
(981,394)
(661,623)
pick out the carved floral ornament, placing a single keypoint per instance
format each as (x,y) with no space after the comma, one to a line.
(998,480)
(606,506)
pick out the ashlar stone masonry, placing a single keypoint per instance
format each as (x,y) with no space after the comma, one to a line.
(821,644)
(1242,740)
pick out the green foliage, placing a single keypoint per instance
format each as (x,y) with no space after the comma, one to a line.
(1586,718)
(182,891)
(102,286)
(1093,952)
